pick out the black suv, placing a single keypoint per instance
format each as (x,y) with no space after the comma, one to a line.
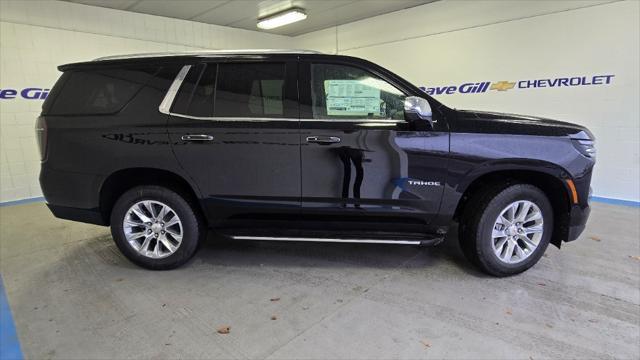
(302,146)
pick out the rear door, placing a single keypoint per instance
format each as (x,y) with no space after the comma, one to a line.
(234,129)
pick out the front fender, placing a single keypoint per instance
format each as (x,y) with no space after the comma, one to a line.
(507,165)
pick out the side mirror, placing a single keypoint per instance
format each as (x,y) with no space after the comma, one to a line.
(417,109)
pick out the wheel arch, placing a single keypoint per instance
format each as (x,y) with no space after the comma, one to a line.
(551,181)
(122,180)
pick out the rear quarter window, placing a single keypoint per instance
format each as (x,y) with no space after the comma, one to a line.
(101,91)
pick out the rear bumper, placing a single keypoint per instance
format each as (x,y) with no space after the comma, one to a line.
(91,216)
(70,189)
(72,196)
(577,221)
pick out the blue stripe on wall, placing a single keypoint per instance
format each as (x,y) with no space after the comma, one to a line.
(9,344)
(23,201)
(615,201)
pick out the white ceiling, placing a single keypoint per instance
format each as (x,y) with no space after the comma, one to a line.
(321,14)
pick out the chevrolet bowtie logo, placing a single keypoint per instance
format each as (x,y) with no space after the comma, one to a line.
(503,86)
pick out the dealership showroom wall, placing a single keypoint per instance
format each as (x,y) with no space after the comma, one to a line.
(67,292)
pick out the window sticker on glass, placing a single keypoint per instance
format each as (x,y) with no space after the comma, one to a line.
(352,98)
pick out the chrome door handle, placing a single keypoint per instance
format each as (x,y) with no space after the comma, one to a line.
(323,139)
(197,137)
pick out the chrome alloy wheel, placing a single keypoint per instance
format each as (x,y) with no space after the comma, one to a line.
(153,229)
(517,231)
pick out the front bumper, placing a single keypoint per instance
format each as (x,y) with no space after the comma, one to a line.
(577,221)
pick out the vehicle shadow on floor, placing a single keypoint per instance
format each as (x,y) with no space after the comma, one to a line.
(221,251)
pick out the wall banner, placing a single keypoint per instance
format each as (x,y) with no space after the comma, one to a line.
(527,84)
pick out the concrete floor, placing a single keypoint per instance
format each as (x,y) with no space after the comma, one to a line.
(74,296)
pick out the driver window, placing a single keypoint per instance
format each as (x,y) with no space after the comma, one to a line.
(345,92)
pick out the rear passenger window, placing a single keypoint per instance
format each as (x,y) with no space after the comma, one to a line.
(250,90)
(98,92)
(232,90)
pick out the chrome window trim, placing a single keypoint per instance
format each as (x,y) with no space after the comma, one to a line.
(222,118)
(264,119)
(365,120)
(169,98)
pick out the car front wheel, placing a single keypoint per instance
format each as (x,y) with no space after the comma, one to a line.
(506,229)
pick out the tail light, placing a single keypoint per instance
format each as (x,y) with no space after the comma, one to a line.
(41,136)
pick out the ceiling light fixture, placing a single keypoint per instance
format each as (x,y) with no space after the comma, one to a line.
(282,18)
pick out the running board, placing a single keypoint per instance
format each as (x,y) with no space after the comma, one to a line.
(336,240)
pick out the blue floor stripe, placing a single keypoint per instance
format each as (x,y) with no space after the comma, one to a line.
(9,343)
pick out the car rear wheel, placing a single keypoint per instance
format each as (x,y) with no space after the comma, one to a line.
(506,229)
(155,227)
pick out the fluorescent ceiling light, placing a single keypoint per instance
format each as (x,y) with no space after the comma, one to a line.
(282,18)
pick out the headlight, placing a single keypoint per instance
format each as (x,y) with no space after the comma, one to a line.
(585,147)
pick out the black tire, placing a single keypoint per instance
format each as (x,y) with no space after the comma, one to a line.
(192,224)
(478,220)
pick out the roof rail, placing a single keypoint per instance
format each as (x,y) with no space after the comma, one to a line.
(207,53)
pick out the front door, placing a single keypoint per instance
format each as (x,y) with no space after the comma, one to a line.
(360,159)
(234,129)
